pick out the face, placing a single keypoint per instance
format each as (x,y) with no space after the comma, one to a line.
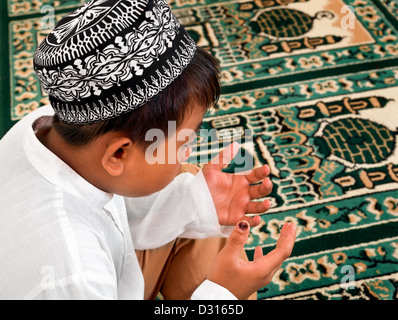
(152,170)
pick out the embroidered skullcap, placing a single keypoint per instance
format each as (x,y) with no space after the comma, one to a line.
(110,57)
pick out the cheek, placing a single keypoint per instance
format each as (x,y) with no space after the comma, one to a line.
(169,172)
(157,177)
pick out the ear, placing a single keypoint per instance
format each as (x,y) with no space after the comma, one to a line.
(115,156)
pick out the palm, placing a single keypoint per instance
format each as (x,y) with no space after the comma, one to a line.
(233,194)
(230,195)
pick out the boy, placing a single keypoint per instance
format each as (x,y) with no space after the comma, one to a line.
(79,193)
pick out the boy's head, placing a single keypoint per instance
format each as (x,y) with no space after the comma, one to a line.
(115,71)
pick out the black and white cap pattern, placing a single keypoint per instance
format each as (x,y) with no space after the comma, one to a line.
(110,57)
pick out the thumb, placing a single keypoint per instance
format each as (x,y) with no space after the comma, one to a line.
(225,156)
(238,238)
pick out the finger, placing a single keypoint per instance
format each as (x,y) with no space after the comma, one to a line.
(258,207)
(237,239)
(258,174)
(258,253)
(261,190)
(253,221)
(284,247)
(286,240)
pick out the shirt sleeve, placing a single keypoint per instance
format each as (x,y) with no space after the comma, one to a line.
(209,290)
(184,209)
(79,287)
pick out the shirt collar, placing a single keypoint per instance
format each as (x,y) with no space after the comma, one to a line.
(54,170)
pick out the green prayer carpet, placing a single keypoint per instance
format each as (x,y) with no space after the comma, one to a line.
(316,83)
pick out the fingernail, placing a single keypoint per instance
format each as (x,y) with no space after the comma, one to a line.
(243,225)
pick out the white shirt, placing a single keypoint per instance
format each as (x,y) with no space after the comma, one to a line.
(62,238)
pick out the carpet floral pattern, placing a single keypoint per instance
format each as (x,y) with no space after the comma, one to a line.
(315,83)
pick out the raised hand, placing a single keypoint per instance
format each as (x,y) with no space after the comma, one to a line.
(243,278)
(233,194)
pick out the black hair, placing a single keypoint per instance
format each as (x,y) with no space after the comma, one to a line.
(197,86)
